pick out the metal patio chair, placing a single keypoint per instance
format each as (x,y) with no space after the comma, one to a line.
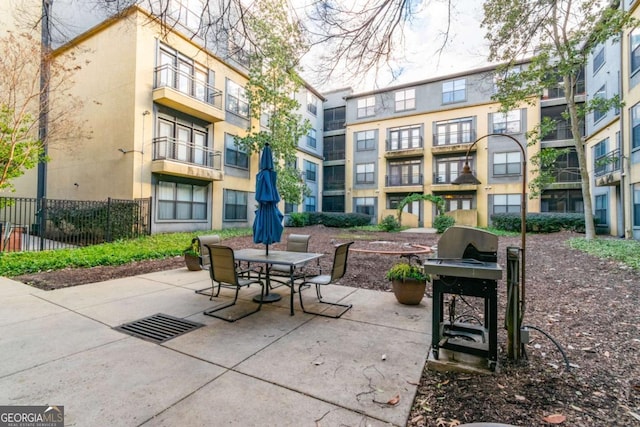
(203,258)
(337,272)
(295,243)
(223,271)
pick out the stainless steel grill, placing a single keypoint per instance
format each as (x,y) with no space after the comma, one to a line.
(466,266)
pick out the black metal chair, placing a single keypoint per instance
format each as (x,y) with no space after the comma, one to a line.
(223,271)
(203,250)
(295,243)
(337,272)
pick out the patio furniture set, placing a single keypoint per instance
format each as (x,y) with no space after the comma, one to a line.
(236,269)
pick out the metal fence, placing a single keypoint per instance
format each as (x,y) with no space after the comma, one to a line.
(29,224)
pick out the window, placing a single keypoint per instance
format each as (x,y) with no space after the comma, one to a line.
(507,74)
(289,207)
(506,163)
(365,173)
(600,214)
(636,205)
(234,155)
(367,205)
(182,201)
(448,169)
(404,138)
(333,178)
(312,103)
(366,107)
(235,205)
(405,100)
(311,138)
(599,113)
(506,203)
(183,74)
(635,50)
(310,170)
(333,147)
(563,201)
(408,172)
(508,122)
(598,59)
(310,204)
(181,140)
(454,91)
(458,131)
(334,118)
(237,102)
(635,127)
(365,140)
(333,203)
(454,202)
(599,154)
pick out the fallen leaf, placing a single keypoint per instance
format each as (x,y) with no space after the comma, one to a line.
(634,415)
(606,354)
(555,419)
(417,419)
(394,400)
(576,408)
(520,398)
(500,386)
(445,382)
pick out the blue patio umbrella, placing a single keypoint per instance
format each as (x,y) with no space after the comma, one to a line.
(267,225)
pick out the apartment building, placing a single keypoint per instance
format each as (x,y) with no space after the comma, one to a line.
(630,125)
(414,138)
(163,112)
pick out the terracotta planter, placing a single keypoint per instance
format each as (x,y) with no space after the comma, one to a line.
(409,292)
(193,262)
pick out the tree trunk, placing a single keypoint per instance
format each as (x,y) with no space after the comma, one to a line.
(585,180)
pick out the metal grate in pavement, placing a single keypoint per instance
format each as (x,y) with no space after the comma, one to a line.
(158,328)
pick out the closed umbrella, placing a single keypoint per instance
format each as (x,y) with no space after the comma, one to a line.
(267,225)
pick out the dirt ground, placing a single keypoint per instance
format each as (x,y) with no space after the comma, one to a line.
(587,305)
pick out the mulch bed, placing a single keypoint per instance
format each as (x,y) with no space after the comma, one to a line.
(589,306)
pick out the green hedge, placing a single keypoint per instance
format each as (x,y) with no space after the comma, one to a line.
(546,222)
(337,219)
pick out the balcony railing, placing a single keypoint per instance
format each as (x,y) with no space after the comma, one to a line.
(333,186)
(186,152)
(169,76)
(403,145)
(445,179)
(454,138)
(403,180)
(334,155)
(334,124)
(608,163)
(571,174)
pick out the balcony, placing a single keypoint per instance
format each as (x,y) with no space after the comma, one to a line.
(445,183)
(180,158)
(330,125)
(408,182)
(460,148)
(182,92)
(607,170)
(404,149)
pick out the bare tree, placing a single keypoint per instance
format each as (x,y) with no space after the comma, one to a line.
(21,90)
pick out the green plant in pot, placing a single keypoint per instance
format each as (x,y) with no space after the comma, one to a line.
(192,256)
(408,282)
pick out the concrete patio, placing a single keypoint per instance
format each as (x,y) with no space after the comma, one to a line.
(59,348)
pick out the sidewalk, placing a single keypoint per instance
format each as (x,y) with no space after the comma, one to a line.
(269,369)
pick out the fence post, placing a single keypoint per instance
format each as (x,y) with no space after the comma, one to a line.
(108,234)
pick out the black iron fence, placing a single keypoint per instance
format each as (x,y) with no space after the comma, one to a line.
(29,224)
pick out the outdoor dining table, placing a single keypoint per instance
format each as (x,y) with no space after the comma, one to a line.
(287,258)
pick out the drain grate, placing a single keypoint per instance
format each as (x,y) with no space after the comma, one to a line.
(158,328)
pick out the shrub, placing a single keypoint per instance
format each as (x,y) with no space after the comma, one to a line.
(442,222)
(545,222)
(297,219)
(338,219)
(403,271)
(389,223)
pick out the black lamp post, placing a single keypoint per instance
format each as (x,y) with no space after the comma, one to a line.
(467,177)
